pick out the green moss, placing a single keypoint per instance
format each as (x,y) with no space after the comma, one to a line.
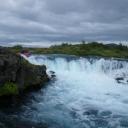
(9,89)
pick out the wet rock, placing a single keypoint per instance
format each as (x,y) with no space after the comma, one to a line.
(3,80)
(53,75)
(119,78)
(52,72)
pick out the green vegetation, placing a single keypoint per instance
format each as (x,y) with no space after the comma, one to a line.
(82,49)
(18,48)
(9,89)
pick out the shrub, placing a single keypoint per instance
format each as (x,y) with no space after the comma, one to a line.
(9,89)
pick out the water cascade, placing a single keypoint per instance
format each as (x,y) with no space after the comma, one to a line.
(83,94)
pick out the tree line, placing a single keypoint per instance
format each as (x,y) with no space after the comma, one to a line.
(82,49)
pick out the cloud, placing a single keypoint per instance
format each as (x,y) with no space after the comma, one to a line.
(30,22)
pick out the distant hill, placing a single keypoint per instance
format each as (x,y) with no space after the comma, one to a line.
(111,44)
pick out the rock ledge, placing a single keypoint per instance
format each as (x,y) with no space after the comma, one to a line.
(17,74)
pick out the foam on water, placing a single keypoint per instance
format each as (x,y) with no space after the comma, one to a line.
(83,94)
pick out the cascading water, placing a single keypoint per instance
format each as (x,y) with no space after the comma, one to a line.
(84,93)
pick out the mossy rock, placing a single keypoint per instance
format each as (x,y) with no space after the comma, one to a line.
(46,78)
(44,66)
(26,85)
(36,80)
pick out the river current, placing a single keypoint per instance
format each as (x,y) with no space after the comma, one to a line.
(83,94)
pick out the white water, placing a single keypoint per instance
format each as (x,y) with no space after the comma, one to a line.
(84,93)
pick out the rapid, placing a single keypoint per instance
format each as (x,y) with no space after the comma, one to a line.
(83,94)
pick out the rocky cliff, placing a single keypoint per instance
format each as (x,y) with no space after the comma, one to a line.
(17,74)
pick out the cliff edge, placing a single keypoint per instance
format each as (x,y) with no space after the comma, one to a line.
(17,74)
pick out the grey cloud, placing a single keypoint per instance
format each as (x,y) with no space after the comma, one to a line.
(66,20)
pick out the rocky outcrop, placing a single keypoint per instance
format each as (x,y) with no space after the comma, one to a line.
(17,72)
(52,73)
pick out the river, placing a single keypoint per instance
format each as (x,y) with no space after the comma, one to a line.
(83,94)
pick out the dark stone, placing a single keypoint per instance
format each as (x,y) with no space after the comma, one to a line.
(3,80)
(1,64)
(1,73)
(16,69)
(53,75)
(20,78)
(119,78)
(52,72)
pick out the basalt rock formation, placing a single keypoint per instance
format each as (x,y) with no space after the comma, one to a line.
(17,74)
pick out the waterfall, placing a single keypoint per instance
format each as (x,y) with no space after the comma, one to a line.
(84,93)
(112,67)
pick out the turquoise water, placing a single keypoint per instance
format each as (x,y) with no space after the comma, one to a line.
(83,94)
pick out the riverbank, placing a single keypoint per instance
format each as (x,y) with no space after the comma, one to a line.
(83,49)
(17,74)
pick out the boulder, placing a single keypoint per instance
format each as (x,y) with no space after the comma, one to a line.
(53,75)
(52,72)
(119,78)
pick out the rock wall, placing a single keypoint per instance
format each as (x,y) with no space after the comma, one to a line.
(15,69)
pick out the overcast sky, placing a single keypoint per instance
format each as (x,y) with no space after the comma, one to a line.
(48,22)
